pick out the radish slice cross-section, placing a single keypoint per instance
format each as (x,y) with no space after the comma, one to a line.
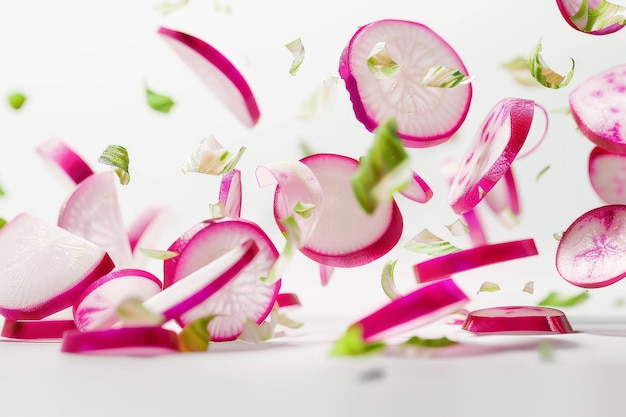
(517,320)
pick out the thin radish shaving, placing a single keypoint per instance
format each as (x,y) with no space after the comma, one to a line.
(127,341)
(36,329)
(607,173)
(517,320)
(58,152)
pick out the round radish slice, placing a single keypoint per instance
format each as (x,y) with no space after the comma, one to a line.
(217,72)
(96,307)
(125,341)
(93,212)
(446,265)
(426,115)
(598,106)
(246,297)
(607,173)
(345,235)
(596,17)
(491,152)
(418,308)
(43,268)
(36,329)
(591,251)
(517,320)
(58,152)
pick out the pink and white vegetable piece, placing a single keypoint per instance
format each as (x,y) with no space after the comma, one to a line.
(607,173)
(60,154)
(125,341)
(36,329)
(517,320)
(596,17)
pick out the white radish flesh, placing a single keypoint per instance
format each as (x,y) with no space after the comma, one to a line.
(607,173)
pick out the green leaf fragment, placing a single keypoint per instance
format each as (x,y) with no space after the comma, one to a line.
(304,209)
(546,351)
(292,234)
(488,286)
(555,299)
(352,343)
(131,312)
(542,172)
(387,280)
(158,253)
(116,156)
(445,77)
(430,244)
(159,102)
(416,341)
(16,100)
(195,336)
(211,158)
(380,63)
(544,74)
(297,50)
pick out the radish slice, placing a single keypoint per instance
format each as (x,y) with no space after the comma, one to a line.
(345,235)
(145,226)
(607,173)
(36,329)
(93,212)
(288,299)
(418,308)
(503,199)
(598,107)
(591,251)
(417,190)
(491,153)
(217,72)
(230,194)
(246,298)
(596,17)
(43,268)
(58,152)
(426,115)
(126,341)
(517,320)
(446,265)
(96,308)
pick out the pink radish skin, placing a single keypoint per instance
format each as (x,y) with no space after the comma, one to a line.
(36,329)
(344,236)
(491,152)
(503,196)
(44,268)
(217,72)
(96,306)
(417,190)
(427,116)
(517,320)
(126,341)
(288,300)
(230,194)
(607,173)
(446,265)
(59,153)
(591,251)
(569,8)
(598,107)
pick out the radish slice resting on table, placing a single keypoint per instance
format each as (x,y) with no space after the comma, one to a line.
(126,341)
(36,329)
(596,17)
(517,320)
(607,173)
(503,199)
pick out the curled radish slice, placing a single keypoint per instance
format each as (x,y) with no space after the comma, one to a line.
(217,72)
(345,235)
(417,190)
(125,341)
(517,320)
(607,173)
(383,66)
(96,306)
(230,194)
(446,265)
(413,310)
(598,107)
(43,268)
(491,153)
(596,17)
(503,199)
(58,152)
(36,329)
(591,251)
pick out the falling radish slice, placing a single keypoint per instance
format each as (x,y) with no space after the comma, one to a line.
(598,106)
(36,329)
(383,66)
(247,297)
(92,212)
(596,17)
(517,320)
(145,227)
(607,173)
(230,194)
(43,268)
(591,251)
(59,153)
(217,72)
(417,190)
(125,341)
(96,306)
(344,235)
(503,199)
(491,152)
(446,265)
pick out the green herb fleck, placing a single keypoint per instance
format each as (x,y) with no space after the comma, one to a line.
(16,100)
(543,171)
(429,343)
(554,299)
(488,286)
(2,222)
(297,50)
(195,337)
(352,343)
(159,102)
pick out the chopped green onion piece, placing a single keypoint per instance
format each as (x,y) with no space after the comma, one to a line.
(304,209)
(195,336)
(529,287)
(321,101)
(117,157)
(352,343)
(554,299)
(387,280)
(297,50)
(383,170)
(380,63)
(219,7)
(158,254)
(16,100)
(292,234)
(543,171)
(1,191)
(131,312)
(430,244)
(544,74)
(159,102)
(445,77)
(429,343)
(458,228)
(166,7)
(2,222)
(210,157)
(488,286)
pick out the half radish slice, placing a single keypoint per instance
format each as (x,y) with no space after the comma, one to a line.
(591,251)
(596,17)
(383,66)
(491,152)
(217,72)
(43,268)
(36,329)
(607,173)
(126,341)
(59,153)
(517,320)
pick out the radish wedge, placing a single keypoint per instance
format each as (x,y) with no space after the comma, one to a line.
(598,106)
(517,320)
(591,251)
(446,265)
(126,341)
(491,152)
(43,268)
(426,115)
(217,72)
(596,17)
(58,152)
(415,309)
(607,173)
(344,235)
(36,329)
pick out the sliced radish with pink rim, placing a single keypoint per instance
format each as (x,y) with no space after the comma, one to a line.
(598,106)
(146,226)
(230,194)
(607,173)
(426,115)
(36,329)
(446,265)
(126,341)
(43,268)
(417,190)
(217,72)
(64,157)
(596,17)
(591,251)
(344,235)
(517,320)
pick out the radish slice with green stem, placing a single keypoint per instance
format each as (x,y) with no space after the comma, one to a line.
(217,72)
(596,17)
(607,173)
(43,268)
(517,320)
(591,251)
(36,329)
(125,341)
(387,58)
(59,153)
